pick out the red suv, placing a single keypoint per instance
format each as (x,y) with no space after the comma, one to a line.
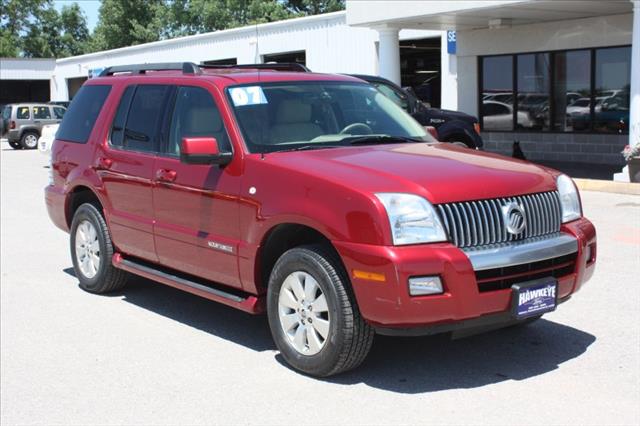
(312,197)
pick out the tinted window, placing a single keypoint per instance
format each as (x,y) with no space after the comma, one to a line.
(534,86)
(81,116)
(144,116)
(6,113)
(117,129)
(572,72)
(195,114)
(23,113)
(497,85)
(41,112)
(59,112)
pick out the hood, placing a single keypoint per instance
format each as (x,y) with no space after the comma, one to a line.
(440,172)
(451,115)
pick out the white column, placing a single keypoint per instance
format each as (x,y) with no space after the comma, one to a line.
(448,76)
(634,113)
(389,54)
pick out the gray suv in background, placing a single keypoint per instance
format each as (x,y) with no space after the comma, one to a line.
(22,123)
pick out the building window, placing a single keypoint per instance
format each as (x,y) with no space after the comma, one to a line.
(299,57)
(497,93)
(228,61)
(584,90)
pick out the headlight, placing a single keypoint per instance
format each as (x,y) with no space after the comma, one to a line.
(413,219)
(569,199)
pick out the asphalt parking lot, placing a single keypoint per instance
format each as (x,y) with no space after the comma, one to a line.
(154,355)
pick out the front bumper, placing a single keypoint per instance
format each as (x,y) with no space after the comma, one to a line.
(387,304)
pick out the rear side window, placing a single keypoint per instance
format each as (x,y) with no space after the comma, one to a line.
(81,116)
(22,113)
(117,130)
(143,115)
(41,112)
(59,112)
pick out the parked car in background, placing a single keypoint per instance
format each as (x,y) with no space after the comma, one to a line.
(61,103)
(22,122)
(312,197)
(452,126)
(499,116)
(47,137)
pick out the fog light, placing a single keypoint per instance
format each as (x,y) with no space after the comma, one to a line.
(421,286)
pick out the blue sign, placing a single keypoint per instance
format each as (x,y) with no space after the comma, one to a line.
(451,42)
(95,72)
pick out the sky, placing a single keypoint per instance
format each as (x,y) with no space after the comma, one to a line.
(90,8)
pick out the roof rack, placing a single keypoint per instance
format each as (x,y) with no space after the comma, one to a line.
(185,67)
(192,68)
(274,66)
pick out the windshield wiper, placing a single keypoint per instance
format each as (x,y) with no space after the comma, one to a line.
(372,139)
(307,147)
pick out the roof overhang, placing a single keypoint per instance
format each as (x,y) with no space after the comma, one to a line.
(469,15)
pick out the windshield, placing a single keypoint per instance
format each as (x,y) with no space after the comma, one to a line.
(309,115)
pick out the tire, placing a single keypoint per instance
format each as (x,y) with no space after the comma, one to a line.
(15,145)
(460,144)
(348,337)
(29,140)
(105,278)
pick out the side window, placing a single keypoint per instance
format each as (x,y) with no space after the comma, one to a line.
(22,113)
(83,112)
(143,119)
(196,114)
(117,129)
(59,112)
(41,112)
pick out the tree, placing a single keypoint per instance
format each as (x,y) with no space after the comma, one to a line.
(34,28)
(187,17)
(128,22)
(314,7)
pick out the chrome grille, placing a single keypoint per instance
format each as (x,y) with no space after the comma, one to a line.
(478,223)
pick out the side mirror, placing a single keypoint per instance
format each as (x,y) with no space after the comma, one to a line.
(203,150)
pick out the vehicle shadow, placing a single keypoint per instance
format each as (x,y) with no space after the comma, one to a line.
(435,363)
(397,364)
(211,317)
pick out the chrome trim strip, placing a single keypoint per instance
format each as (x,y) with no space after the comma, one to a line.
(517,253)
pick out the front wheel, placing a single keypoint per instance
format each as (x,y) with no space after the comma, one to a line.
(313,316)
(91,252)
(29,140)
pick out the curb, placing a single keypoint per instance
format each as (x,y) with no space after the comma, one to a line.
(608,186)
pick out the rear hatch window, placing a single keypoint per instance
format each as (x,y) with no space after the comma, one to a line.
(82,114)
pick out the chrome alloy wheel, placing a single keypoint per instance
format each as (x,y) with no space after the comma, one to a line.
(31,141)
(87,249)
(303,313)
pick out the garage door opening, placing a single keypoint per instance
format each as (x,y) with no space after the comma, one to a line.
(420,68)
(74,84)
(24,91)
(299,57)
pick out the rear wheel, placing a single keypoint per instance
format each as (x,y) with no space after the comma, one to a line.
(29,140)
(313,316)
(91,252)
(15,145)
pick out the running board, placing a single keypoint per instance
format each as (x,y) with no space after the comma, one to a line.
(248,303)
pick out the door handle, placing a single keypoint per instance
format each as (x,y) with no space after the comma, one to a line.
(104,163)
(165,175)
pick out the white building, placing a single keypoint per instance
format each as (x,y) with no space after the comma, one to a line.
(521,65)
(555,75)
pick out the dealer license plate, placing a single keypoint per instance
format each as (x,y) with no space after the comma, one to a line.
(534,297)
